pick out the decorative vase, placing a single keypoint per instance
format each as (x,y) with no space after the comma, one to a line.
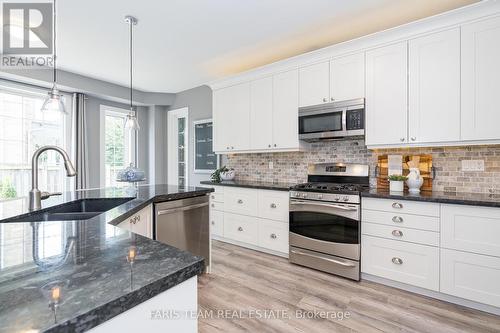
(396,186)
(414,180)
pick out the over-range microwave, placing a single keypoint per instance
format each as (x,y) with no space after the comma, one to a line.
(332,121)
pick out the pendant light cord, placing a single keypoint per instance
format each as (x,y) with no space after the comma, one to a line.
(131,90)
(55,43)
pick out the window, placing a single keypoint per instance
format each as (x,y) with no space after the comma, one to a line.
(178,147)
(117,144)
(23,129)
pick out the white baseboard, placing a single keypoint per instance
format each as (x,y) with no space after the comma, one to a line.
(433,294)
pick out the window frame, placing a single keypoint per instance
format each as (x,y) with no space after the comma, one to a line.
(105,110)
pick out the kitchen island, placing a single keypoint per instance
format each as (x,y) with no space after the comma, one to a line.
(75,275)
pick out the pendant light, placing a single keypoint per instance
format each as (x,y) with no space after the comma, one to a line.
(54,100)
(131,123)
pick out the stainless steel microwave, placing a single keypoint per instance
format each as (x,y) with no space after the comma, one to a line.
(332,121)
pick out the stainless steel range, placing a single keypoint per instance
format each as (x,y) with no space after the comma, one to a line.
(325,218)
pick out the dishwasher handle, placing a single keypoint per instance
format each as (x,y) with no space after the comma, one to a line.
(181,209)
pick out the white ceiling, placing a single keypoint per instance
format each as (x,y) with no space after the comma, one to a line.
(181,44)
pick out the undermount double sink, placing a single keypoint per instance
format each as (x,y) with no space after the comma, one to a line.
(82,209)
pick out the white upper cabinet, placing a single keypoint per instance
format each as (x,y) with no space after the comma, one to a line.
(232,118)
(386,95)
(314,84)
(285,110)
(434,87)
(347,77)
(481,80)
(261,113)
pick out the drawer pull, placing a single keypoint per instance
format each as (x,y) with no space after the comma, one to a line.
(135,219)
(273,236)
(397,261)
(273,205)
(213,205)
(240,229)
(213,222)
(240,201)
(397,219)
(213,196)
(397,205)
(397,233)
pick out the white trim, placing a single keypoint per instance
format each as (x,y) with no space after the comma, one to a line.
(249,246)
(172,140)
(440,22)
(111,110)
(203,171)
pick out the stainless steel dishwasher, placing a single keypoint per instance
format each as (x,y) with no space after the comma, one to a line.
(184,224)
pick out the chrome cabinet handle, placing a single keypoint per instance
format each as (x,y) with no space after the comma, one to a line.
(135,219)
(273,205)
(273,236)
(413,138)
(212,196)
(334,261)
(227,147)
(232,147)
(269,146)
(212,205)
(213,222)
(332,99)
(397,219)
(275,145)
(240,229)
(397,205)
(397,233)
(397,261)
(240,201)
(325,99)
(402,139)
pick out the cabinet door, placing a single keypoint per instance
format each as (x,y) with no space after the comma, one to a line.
(347,77)
(434,87)
(286,110)
(314,84)
(471,276)
(480,80)
(240,117)
(221,114)
(386,95)
(261,113)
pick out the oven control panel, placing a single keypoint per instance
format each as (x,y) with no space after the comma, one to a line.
(330,197)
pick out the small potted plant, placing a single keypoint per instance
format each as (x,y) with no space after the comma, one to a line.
(396,183)
(222,174)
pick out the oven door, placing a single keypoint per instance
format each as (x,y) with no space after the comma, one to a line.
(330,228)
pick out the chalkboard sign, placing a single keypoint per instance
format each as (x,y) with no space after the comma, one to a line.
(205,160)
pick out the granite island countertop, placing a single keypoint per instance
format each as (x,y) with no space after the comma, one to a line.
(458,198)
(87,260)
(251,184)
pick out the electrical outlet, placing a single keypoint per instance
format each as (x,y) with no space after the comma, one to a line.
(271,165)
(472,165)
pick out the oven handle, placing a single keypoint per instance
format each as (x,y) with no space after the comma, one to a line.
(338,262)
(312,203)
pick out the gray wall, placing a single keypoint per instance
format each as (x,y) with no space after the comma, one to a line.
(157,144)
(199,102)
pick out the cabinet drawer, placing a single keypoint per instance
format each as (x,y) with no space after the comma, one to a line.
(218,189)
(472,229)
(241,201)
(409,263)
(402,234)
(216,223)
(241,228)
(273,235)
(401,220)
(471,276)
(401,206)
(215,205)
(273,205)
(217,197)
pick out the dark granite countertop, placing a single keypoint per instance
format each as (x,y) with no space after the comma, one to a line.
(252,184)
(474,199)
(86,259)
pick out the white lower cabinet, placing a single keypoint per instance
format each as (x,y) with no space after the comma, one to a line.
(250,217)
(471,276)
(408,263)
(140,223)
(423,237)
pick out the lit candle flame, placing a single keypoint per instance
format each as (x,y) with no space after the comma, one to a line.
(131,254)
(56,294)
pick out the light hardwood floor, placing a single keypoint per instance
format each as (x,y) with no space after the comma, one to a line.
(246,280)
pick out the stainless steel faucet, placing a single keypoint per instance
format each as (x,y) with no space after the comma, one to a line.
(36,196)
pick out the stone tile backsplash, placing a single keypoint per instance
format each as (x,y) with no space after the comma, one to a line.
(292,167)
